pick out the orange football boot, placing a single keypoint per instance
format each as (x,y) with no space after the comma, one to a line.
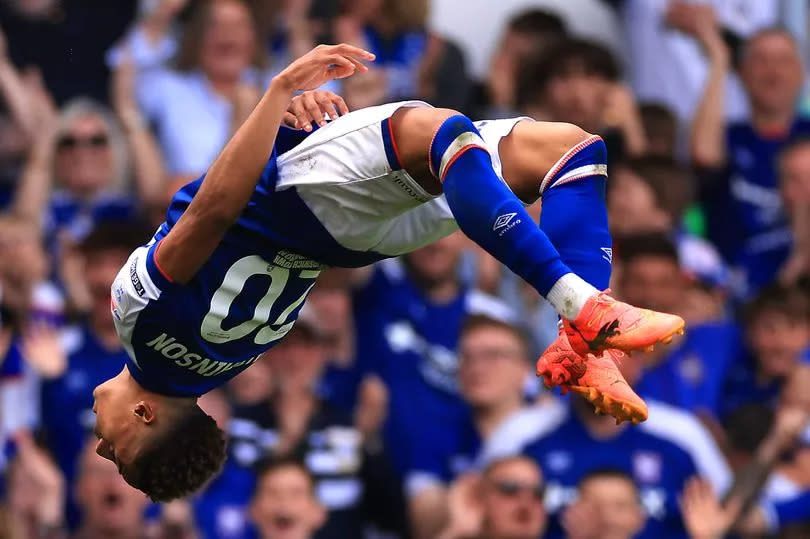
(606,323)
(596,378)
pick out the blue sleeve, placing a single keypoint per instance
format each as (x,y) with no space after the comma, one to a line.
(288,138)
(793,510)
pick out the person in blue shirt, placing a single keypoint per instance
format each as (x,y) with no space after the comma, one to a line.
(660,455)
(493,369)
(739,188)
(399,339)
(93,351)
(777,331)
(225,276)
(690,375)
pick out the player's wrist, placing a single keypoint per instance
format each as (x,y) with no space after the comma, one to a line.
(282,83)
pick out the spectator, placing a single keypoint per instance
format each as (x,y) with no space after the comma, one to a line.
(527,33)
(211,86)
(666,66)
(73,365)
(416,63)
(607,506)
(661,128)
(794,173)
(632,205)
(350,471)
(492,373)
(221,508)
(776,511)
(745,216)
(399,339)
(80,165)
(331,301)
(577,81)
(506,501)
(777,331)
(35,492)
(691,375)
(67,40)
(659,454)
(109,507)
(28,303)
(285,504)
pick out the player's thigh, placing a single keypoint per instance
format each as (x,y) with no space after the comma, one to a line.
(413,130)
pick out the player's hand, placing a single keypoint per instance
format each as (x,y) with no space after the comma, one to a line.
(313,107)
(322,64)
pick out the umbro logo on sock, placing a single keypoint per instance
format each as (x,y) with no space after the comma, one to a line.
(503,220)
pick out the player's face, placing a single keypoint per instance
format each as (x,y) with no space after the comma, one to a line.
(653,282)
(284,506)
(772,72)
(229,41)
(492,367)
(513,501)
(107,502)
(83,157)
(777,341)
(614,502)
(119,428)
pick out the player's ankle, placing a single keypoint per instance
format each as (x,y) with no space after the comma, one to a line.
(569,294)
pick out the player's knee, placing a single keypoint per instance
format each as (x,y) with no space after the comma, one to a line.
(569,135)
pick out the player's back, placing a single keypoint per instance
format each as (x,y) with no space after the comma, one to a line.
(336,198)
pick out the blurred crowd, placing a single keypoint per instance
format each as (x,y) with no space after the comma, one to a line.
(404,402)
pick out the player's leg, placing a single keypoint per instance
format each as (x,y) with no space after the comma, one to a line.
(574,217)
(444,151)
(490,213)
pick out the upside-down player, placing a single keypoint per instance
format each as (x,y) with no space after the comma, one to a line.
(225,275)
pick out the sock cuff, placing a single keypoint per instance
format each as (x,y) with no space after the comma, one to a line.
(456,135)
(588,158)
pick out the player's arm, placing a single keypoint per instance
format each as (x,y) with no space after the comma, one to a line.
(230,181)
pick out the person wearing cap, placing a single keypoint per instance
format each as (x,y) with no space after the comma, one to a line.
(689,375)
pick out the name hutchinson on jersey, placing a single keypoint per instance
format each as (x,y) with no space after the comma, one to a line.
(169,348)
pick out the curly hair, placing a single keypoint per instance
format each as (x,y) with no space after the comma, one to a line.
(181,460)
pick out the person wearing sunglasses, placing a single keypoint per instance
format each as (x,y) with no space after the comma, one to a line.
(504,502)
(88,163)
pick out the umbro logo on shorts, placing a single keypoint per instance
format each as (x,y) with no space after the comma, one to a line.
(608,254)
(503,220)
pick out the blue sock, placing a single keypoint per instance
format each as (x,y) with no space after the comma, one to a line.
(574,215)
(574,218)
(487,210)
